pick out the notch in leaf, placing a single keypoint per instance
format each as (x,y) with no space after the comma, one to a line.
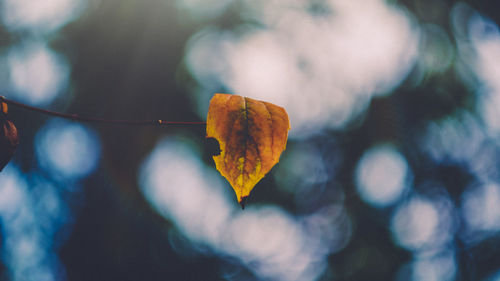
(252,135)
(9,139)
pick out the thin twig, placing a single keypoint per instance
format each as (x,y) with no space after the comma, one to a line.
(96,120)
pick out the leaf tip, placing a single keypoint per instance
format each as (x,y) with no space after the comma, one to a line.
(243,201)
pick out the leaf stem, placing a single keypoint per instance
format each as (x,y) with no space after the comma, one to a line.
(76,117)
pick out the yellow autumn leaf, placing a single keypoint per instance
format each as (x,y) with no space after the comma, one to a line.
(252,135)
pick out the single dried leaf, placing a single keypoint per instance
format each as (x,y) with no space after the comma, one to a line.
(9,139)
(252,135)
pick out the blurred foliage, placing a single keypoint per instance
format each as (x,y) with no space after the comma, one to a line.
(126,60)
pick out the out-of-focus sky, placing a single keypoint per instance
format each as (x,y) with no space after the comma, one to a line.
(391,170)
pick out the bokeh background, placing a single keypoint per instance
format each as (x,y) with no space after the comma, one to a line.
(392,170)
